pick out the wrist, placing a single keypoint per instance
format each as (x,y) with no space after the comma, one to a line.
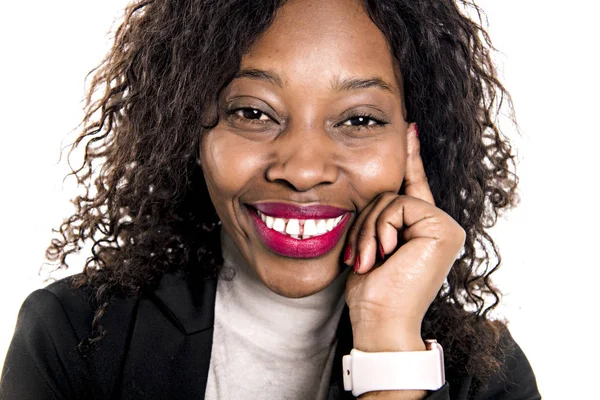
(395,395)
(387,336)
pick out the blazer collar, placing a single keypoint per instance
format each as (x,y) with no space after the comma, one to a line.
(188,300)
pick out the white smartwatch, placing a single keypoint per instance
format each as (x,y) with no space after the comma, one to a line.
(404,370)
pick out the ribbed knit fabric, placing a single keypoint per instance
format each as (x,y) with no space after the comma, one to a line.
(266,346)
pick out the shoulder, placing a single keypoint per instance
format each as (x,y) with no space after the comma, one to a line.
(46,356)
(515,380)
(63,307)
(57,301)
(42,360)
(518,376)
(188,300)
(57,305)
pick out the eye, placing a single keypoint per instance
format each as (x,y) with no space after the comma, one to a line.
(249,114)
(363,121)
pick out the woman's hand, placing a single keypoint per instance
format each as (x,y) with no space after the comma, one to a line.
(388,300)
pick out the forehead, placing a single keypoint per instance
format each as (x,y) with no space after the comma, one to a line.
(316,43)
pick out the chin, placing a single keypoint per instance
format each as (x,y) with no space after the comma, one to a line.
(292,277)
(296,278)
(297,292)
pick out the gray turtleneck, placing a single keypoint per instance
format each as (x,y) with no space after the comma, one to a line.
(266,346)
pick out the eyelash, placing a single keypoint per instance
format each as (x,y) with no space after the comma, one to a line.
(234,113)
(378,122)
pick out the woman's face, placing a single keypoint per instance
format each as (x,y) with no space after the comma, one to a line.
(311,130)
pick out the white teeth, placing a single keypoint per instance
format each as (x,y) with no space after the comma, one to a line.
(321,227)
(330,224)
(279,224)
(310,227)
(270,221)
(293,227)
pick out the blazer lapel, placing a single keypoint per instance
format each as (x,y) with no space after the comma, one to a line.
(190,304)
(189,301)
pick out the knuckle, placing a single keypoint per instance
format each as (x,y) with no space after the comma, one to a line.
(381,220)
(462,235)
(458,234)
(362,234)
(400,201)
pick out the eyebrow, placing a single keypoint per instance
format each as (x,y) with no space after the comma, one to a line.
(337,85)
(260,74)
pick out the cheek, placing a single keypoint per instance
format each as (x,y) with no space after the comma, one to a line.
(227,164)
(379,170)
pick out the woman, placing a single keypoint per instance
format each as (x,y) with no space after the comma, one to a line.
(251,154)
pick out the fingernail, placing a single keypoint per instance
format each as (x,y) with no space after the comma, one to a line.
(416,130)
(357,263)
(347,253)
(381,252)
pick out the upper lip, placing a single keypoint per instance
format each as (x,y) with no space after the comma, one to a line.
(287,210)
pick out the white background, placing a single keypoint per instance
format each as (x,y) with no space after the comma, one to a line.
(550,64)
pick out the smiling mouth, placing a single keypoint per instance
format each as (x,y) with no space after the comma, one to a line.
(299,232)
(300,229)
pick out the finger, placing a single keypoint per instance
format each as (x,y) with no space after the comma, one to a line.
(353,234)
(393,219)
(415,180)
(351,239)
(451,234)
(367,243)
(433,241)
(438,233)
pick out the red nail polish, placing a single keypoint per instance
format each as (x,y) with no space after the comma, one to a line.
(357,263)
(381,252)
(348,253)
(416,130)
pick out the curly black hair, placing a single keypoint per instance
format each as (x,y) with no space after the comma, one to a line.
(145,209)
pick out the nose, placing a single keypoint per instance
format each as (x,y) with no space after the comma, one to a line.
(303,159)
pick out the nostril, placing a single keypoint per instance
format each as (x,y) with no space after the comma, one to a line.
(301,179)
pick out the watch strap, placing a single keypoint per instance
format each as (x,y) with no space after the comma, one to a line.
(405,370)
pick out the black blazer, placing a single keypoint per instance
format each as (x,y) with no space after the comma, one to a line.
(158,346)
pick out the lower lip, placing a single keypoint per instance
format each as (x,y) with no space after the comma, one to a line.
(299,248)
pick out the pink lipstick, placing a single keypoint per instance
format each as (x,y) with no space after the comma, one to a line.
(299,231)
